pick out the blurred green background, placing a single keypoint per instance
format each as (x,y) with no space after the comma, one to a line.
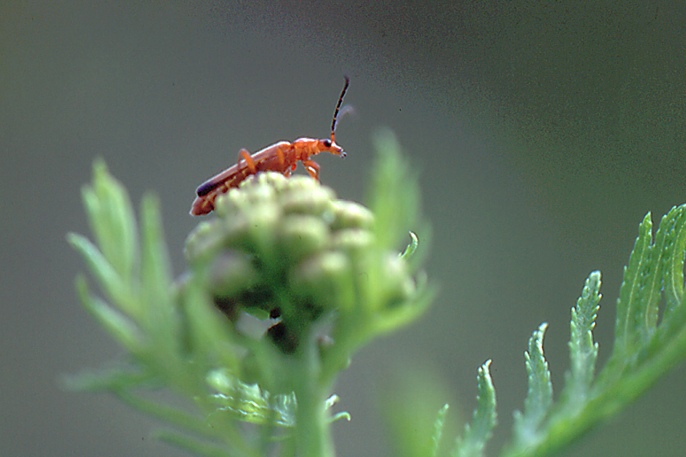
(543,132)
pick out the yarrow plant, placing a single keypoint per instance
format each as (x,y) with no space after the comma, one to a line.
(285,282)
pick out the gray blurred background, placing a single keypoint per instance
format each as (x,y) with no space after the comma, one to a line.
(544,132)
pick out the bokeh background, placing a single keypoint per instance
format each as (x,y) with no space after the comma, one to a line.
(543,131)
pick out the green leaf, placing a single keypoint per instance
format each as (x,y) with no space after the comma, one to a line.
(111,219)
(476,434)
(159,312)
(155,266)
(439,424)
(411,248)
(115,287)
(250,403)
(116,378)
(637,296)
(652,269)
(582,349)
(329,403)
(673,257)
(394,196)
(645,348)
(540,393)
(115,323)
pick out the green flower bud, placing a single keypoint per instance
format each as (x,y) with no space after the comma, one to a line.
(231,273)
(352,240)
(300,236)
(204,241)
(306,196)
(351,215)
(322,278)
(288,248)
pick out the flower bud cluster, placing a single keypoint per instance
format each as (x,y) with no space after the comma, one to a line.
(288,249)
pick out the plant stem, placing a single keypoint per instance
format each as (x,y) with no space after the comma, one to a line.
(313,434)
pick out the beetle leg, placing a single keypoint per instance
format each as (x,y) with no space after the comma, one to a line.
(281,158)
(312,168)
(249,162)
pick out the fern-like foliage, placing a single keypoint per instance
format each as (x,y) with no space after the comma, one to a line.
(645,347)
(169,347)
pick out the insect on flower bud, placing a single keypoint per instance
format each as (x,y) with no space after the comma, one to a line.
(287,247)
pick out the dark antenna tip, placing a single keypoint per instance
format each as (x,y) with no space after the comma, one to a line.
(338,107)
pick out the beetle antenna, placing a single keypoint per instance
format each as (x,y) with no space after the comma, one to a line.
(338,107)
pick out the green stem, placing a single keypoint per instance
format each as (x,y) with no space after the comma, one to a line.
(312,433)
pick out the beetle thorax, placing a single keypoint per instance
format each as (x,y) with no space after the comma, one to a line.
(306,147)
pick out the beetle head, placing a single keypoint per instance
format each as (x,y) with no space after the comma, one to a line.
(329,145)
